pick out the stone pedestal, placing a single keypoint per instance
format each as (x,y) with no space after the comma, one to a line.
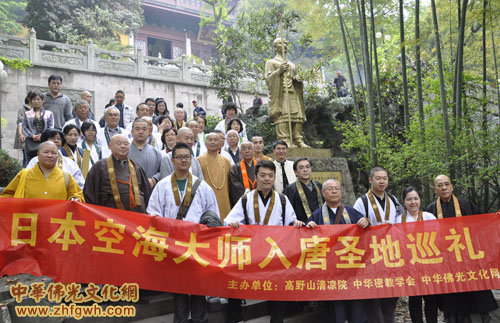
(326,166)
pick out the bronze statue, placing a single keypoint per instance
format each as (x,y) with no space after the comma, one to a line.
(286,100)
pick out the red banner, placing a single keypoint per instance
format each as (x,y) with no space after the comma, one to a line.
(74,242)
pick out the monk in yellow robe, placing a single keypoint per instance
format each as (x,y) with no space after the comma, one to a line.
(216,173)
(45,180)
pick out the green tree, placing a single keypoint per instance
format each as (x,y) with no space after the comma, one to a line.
(10,14)
(76,21)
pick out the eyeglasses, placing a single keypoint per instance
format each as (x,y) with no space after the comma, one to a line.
(182,157)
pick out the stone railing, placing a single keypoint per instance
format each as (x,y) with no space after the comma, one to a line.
(92,59)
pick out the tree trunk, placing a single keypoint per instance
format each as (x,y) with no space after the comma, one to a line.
(446,125)
(497,89)
(484,124)
(369,82)
(403,66)
(377,74)
(348,60)
(460,65)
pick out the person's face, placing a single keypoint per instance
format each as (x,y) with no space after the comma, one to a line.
(142,111)
(332,192)
(47,156)
(119,146)
(232,139)
(258,144)
(304,170)
(82,111)
(182,159)
(140,131)
(195,104)
(119,98)
(193,125)
(187,137)
(179,115)
(87,97)
(170,138)
(280,151)
(443,187)
(166,123)
(230,114)
(246,152)
(412,202)
(57,140)
(265,179)
(222,140)
(90,134)
(236,126)
(36,102)
(201,124)
(161,107)
(150,127)
(151,105)
(379,181)
(55,86)
(338,73)
(112,118)
(72,137)
(212,142)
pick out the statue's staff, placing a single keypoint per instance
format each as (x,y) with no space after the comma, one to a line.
(285,86)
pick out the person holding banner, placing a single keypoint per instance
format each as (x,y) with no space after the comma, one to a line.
(379,207)
(117,181)
(45,181)
(459,307)
(411,200)
(184,197)
(333,212)
(265,206)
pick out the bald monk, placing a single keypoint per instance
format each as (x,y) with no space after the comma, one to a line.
(117,181)
(459,307)
(44,180)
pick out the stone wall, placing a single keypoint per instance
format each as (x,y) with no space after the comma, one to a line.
(102,73)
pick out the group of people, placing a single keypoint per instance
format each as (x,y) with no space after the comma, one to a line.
(149,163)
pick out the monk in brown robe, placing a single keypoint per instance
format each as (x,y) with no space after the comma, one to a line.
(216,173)
(117,181)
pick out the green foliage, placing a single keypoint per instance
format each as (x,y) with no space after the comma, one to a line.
(10,14)
(245,46)
(9,167)
(258,123)
(77,21)
(16,63)
(212,121)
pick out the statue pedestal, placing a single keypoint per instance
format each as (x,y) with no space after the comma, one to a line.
(326,166)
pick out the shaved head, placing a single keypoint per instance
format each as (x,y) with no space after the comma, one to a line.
(47,143)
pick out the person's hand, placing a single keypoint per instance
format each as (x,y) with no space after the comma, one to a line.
(298,224)
(284,67)
(311,225)
(234,225)
(76,199)
(363,223)
(152,182)
(21,138)
(36,137)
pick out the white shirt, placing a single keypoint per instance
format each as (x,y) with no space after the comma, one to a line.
(68,166)
(94,156)
(290,175)
(359,206)
(222,127)
(409,218)
(162,201)
(104,144)
(225,154)
(237,215)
